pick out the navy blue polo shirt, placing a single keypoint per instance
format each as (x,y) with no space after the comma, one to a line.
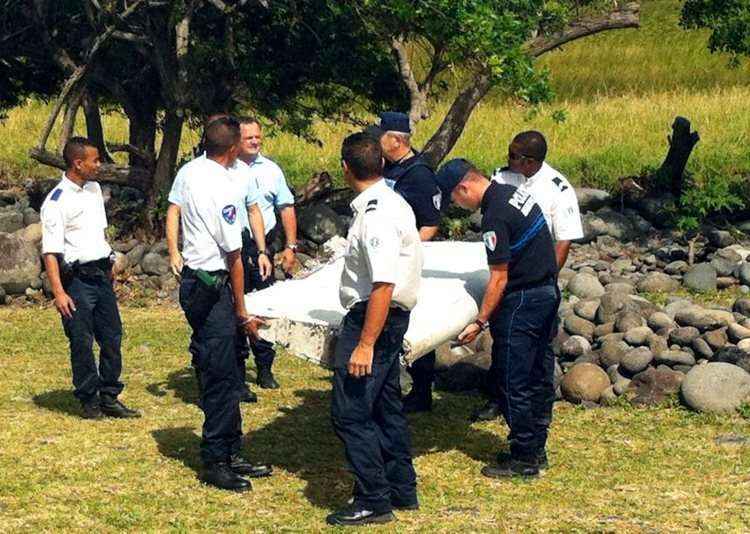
(515,232)
(414,180)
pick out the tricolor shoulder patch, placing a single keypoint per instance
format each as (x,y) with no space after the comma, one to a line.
(490,240)
(56,194)
(229,213)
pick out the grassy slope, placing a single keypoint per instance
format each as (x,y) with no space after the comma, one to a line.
(620,91)
(613,469)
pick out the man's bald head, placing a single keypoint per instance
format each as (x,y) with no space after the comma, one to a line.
(221,135)
(531,144)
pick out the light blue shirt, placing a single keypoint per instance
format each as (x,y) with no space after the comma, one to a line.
(245,193)
(268,179)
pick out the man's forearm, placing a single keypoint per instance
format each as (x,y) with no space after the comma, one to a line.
(173,228)
(428,233)
(289,222)
(377,313)
(493,295)
(256,226)
(561,253)
(52,267)
(237,280)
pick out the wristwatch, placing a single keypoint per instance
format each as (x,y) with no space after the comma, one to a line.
(264,252)
(293,247)
(483,325)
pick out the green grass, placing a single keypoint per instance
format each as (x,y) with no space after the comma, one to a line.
(620,92)
(619,469)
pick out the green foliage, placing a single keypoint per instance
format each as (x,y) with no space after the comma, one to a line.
(728,21)
(715,195)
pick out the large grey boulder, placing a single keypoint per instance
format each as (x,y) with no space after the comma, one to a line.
(575,325)
(653,386)
(20,263)
(10,220)
(584,382)
(607,222)
(586,309)
(702,278)
(742,305)
(657,282)
(743,273)
(585,286)
(627,320)
(674,357)
(319,223)
(590,199)
(155,264)
(636,360)
(684,335)
(716,388)
(611,304)
(575,346)
(659,320)
(638,336)
(612,352)
(723,266)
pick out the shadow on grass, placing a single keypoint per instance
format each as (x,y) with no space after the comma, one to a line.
(59,400)
(181,381)
(180,443)
(301,441)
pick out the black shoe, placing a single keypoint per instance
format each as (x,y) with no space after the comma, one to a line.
(488,412)
(266,379)
(247,395)
(114,408)
(91,410)
(512,468)
(242,467)
(418,401)
(220,475)
(541,459)
(355,514)
(398,504)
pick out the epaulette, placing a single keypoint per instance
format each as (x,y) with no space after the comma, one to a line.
(56,194)
(371,205)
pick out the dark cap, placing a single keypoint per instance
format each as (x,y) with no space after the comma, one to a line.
(450,174)
(390,121)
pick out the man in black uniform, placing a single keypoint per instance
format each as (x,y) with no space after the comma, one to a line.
(519,308)
(413,179)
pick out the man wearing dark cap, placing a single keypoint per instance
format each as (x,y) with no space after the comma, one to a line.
(519,308)
(410,176)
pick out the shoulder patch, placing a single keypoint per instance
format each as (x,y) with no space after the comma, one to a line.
(229,213)
(437,200)
(56,194)
(560,183)
(371,205)
(490,240)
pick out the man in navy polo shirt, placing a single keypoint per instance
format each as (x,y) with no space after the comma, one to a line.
(519,308)
(411,177)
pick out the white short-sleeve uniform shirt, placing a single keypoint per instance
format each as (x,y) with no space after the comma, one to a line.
(554,195)
(209,215)
(74,221)
(383,246)
(273,190)
(243,187)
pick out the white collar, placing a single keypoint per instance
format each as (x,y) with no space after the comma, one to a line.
(361,200)
(70,184)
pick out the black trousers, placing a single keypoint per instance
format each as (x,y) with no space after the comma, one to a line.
(523,367)
(263,350)
(213,346)
(96,318)
(422,373)
(368,416)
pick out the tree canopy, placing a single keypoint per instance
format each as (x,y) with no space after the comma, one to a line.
(728,20)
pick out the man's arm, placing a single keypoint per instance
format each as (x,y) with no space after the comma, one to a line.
(428,233)
(360,362)
(259,235)
(173,231)
(561,253)
(289,222)
(248,323)
(493,295)
(63,302)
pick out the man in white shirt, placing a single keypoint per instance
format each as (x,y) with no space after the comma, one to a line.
(529,172)
(379,287)
(274,194)
(212,297)
(248,216)
(77,259)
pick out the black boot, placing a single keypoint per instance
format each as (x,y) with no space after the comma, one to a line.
(355,514)
(524,468)
(541,459)
(247,394)
(92,410)
(220,475)
(266,379)
(489,412)
(242,467)
(111,407)
(419,399)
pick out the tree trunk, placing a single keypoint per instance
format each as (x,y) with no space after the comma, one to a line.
(681,144)
(94,129)
(168,152)
(442,141)
(142,135)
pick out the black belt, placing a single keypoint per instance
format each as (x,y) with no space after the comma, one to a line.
(187,272)
(548,281)
(361,307)
(92,267)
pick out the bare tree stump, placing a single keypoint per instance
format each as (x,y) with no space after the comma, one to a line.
(315,188)
(681,144)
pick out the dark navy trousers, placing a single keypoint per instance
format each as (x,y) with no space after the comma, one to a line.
(263,350)
(523,367)
(368,416)
(422,372)
(213,346)
(96,318)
